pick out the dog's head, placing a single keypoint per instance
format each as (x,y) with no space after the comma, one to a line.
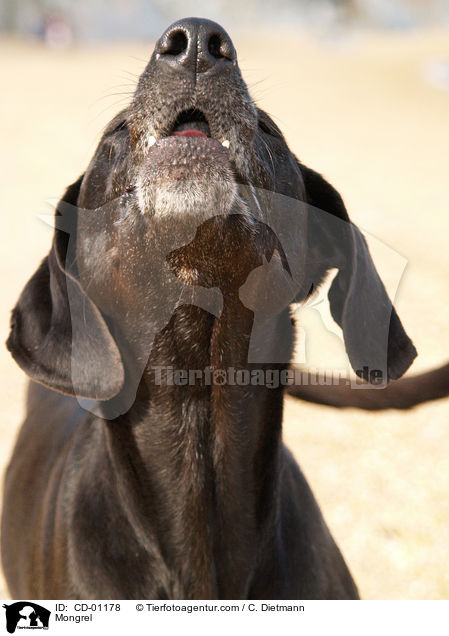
(188,188)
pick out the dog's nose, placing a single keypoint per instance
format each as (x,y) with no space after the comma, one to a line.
(196,45)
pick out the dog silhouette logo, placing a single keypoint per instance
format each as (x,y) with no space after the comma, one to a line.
(26,615)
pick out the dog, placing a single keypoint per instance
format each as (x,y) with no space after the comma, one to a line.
(178,253)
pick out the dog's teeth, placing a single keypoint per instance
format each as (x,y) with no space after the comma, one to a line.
(225,143)
(151,140)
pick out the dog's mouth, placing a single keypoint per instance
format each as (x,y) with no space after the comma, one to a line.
(191,122)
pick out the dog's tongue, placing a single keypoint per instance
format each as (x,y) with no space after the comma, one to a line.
(188,133)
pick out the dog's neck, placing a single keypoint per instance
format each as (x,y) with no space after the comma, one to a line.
(203,456)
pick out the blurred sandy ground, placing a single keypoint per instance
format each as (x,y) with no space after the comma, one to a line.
(359,111)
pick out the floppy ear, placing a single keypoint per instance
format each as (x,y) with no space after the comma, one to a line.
(58,336)
(377,345)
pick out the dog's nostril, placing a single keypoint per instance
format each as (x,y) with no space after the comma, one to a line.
(214,46)
(175,43)
(219,47)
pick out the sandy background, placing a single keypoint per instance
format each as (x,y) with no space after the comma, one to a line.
(362,112)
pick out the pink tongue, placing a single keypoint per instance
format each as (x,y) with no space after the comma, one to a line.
(188,133)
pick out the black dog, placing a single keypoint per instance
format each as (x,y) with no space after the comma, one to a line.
(178,251)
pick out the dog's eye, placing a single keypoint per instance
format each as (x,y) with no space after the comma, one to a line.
(121,126)
(265,128)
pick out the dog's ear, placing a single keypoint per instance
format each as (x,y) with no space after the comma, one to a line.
(58,336)
(377,345)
